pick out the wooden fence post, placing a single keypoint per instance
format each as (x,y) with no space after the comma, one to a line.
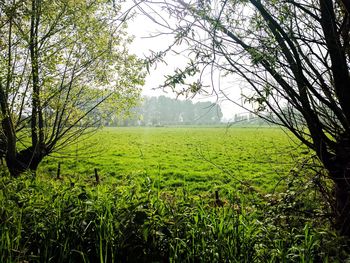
(218,202)
(58,171)
(216,195)
(97,176)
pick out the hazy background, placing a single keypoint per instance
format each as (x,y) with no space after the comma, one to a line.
(142,28)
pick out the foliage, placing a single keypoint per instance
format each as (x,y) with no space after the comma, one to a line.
(64,68)
(131,220)
(166,111)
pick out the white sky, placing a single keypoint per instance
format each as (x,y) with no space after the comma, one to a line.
(142,27)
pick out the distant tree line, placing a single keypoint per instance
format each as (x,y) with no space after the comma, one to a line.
(158,111)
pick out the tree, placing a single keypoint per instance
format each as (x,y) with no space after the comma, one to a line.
(166,111)
(207,112)
(64,66)
(294,55)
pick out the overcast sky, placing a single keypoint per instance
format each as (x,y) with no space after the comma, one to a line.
(142,27)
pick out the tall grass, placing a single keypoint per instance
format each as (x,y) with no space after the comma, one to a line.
(134,221)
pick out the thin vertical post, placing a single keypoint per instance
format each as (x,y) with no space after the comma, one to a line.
(97,177)
(58,170)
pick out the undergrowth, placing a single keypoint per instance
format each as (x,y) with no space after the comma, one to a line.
(131,220)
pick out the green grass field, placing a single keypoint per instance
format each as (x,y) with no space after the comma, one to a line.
(155,201)
(200,159)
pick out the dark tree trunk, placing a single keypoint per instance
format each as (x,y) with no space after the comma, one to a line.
(26,160)
(340,175)
(342,207)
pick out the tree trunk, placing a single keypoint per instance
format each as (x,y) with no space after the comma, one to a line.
(341,178)
(25,160)
(342,207)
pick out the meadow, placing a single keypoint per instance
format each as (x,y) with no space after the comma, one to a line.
(200,159)
(155,201)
